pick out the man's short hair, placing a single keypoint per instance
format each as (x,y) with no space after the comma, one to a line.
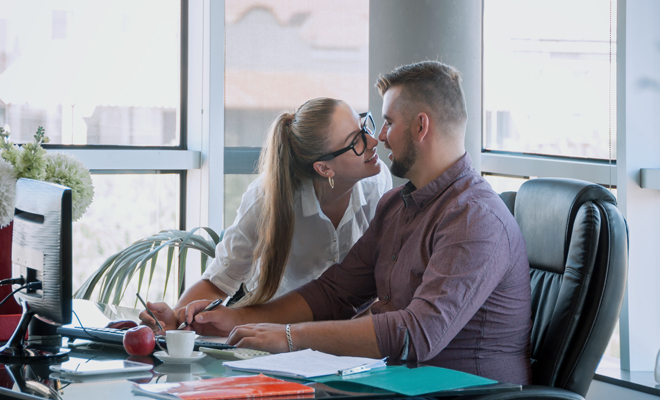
(433,83)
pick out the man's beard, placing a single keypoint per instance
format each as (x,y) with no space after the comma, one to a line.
(401,165)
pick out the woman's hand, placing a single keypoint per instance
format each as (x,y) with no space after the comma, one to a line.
(166,316)
(265,337)
(217,322)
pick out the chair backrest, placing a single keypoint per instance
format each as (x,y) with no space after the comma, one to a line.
(577,245)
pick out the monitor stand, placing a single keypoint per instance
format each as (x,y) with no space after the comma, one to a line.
(15,351)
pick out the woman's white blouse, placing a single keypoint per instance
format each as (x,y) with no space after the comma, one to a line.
(316,243)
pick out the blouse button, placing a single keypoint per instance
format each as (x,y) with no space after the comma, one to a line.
(334,240)
(334,259)
(394,257)
(226,263)
(387,297)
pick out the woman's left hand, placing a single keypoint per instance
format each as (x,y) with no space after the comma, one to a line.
(265,337)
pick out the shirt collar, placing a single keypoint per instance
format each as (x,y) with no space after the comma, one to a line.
(422,196)
(311,205)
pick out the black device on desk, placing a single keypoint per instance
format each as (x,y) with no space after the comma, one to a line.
(41,259)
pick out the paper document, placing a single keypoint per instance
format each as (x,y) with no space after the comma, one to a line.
(304,364)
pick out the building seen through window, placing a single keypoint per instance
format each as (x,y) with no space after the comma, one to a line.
(90,72)
(549,71)
(280,54)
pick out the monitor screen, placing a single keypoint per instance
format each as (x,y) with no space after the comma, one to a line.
(41,247)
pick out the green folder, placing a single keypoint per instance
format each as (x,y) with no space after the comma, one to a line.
(411,381)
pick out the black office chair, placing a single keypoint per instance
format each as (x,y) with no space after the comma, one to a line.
(577,244)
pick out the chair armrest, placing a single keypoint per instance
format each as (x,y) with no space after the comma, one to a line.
(530,392)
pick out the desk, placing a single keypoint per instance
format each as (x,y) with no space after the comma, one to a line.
(208,367)
(15,380)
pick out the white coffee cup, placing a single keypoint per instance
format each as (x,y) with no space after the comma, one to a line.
(180,344)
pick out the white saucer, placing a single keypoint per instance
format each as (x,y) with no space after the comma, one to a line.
(164,357)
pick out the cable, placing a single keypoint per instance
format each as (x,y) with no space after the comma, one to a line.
(30,286)
(83,328)
(13,281)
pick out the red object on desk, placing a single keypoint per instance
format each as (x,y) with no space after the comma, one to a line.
(10,306)
(226,388)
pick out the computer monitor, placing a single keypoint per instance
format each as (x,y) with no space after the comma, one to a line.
(41,252)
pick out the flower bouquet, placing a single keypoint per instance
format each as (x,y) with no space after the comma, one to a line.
(31,161)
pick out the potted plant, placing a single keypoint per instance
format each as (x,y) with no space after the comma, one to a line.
(113,277)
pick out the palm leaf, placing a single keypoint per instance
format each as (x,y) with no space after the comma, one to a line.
(114,276)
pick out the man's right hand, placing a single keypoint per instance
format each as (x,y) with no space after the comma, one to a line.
(166,316)
(217,322)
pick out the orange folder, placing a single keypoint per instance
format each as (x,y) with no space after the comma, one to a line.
(224,388)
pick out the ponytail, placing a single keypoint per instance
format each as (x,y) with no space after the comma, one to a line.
(294,142)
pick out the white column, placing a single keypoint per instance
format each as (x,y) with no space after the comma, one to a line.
(205,127)
(638,127)
(407,31)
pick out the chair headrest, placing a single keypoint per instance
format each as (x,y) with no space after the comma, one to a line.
(545,209)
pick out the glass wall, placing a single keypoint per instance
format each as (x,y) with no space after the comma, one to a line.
(549,77)
(280,54)
(91,72)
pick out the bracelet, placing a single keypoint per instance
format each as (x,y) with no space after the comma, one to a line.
(288,337)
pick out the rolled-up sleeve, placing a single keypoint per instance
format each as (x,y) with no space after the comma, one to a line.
(233,263)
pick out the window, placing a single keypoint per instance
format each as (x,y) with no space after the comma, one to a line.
(549,78)
(280,54)
(105,77)
(549,89)
(102,73)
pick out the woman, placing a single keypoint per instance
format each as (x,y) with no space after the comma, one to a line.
(320,181)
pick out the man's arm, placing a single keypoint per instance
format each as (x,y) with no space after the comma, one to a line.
(262,327)
(356,337)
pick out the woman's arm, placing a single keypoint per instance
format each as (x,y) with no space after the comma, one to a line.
(202,290)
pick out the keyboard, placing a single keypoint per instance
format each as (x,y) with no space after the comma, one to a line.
(116,336)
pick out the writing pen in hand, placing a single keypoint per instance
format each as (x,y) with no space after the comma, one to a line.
(214,304)
(149,312)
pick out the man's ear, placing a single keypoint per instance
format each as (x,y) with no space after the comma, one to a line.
(421,126)
(323,169)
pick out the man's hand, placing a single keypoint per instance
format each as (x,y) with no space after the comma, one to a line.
(266,337)
(217,322)
(166,316)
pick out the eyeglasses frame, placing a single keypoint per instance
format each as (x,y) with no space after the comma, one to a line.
(367,116)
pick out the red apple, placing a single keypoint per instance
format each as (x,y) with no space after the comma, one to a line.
(139,341)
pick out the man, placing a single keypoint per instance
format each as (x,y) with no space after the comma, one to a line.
(443,256)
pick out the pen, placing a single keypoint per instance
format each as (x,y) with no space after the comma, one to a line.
(355,370)
(149,311)
(210,307)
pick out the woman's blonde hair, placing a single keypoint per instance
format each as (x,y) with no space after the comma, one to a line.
(294,141)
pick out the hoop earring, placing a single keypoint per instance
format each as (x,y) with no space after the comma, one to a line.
(332,182)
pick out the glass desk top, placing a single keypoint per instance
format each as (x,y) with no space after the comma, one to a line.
(37,381)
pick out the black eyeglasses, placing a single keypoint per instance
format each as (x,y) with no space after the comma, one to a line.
(358,146)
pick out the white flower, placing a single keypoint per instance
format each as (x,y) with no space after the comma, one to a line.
(67,170)
(7,192)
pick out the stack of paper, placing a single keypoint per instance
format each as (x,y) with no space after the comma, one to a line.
(304,364)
